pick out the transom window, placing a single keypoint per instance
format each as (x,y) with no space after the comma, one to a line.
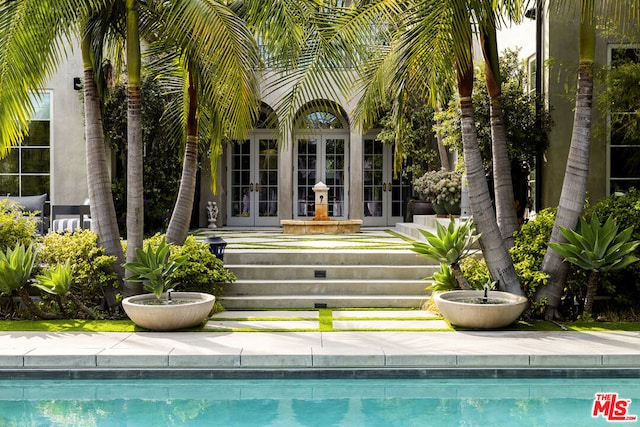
(321,120)
(26,170)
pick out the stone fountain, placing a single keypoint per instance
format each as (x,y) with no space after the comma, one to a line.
(480,309)
(321,223)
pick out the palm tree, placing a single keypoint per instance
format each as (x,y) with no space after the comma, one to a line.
(221,87)
(40,33)
(574,186)
(135,185)
(425,41)
(502,183)
(103,213)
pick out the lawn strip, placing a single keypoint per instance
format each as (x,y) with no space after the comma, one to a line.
(326,319)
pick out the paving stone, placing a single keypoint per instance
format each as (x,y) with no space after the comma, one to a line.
(280,314)
(262,324)
(390,314)
(390,324)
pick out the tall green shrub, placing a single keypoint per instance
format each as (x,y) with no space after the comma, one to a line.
(15,227)
(91,270)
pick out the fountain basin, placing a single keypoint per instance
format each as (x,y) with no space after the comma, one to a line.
(466,309)
(188,309)
(344,226)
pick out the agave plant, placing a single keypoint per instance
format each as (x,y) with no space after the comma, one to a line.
(57,281)
(153,267)
(443,280)
(597,248)
(16,267)
(449,246)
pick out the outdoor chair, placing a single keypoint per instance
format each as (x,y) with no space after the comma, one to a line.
(68,218)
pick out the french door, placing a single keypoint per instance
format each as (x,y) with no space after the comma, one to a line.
(253,178)
(321,157)
(384,196)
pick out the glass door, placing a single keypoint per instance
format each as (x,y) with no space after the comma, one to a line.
(321,158)
(253,195)
(384,196)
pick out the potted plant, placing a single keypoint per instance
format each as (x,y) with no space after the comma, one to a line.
(478,309)
(163,309)
(443,188)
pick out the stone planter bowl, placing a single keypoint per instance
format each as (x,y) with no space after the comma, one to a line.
(457,307)
(169,317)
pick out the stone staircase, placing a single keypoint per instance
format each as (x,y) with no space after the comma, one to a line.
(326,278)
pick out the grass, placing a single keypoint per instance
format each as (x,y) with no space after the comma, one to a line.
(325,324)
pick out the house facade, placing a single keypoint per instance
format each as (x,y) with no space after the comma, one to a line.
(549,45)
(262,180)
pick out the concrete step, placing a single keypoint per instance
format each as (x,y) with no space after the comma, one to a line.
(331,272)
(326,287)
(322,301)
(323,257)
(308,278)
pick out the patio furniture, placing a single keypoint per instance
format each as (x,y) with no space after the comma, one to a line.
(68,218)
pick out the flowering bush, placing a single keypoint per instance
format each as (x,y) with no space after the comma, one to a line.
(440,186)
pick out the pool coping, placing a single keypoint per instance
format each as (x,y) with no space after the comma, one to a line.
(319,354)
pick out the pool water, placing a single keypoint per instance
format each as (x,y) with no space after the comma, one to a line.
(304,402)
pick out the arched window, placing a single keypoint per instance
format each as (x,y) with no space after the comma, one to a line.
(321,120)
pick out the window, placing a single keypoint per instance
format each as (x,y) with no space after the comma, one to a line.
(26,170)
(321,120)
(624,121)
(531,74)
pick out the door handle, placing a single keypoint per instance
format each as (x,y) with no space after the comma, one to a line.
(251,186)
(257,187)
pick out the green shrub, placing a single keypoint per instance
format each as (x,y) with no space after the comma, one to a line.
(530,246)
(201,272)
(476,271)
(15,228)
(91,269)
(621,288)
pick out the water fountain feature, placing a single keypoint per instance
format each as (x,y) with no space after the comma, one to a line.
(321,223)
(483,309)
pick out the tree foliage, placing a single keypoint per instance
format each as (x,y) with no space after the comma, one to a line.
(526,126)
(162,165)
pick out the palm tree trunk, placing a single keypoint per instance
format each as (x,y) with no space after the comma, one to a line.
(103,214)
(493,248)
(506,215)
(181,216)
(574,186)
(592,287)
(135,202)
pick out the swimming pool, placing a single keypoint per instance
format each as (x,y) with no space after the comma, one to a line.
(336,402)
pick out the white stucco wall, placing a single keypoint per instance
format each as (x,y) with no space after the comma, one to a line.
(68,160)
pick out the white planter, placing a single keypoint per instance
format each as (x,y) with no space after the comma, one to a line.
(190,309)
(461,309)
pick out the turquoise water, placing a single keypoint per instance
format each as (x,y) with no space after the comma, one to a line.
(357,402)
